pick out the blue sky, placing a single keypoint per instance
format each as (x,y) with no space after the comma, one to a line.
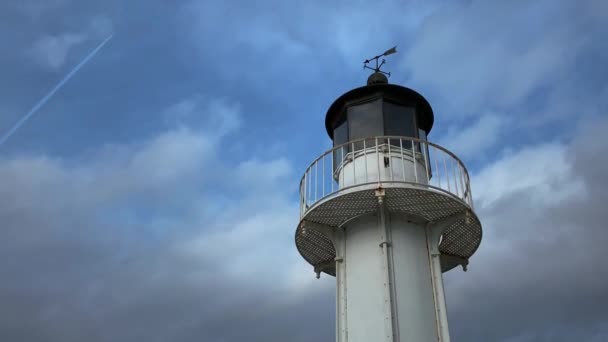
(154,197)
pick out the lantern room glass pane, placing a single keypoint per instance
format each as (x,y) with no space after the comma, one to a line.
(341,134)
(340,137)
(365,120)
(399,121)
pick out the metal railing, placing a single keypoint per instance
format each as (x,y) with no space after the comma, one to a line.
(384,159)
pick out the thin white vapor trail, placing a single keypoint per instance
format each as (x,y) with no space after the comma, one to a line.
(41,103)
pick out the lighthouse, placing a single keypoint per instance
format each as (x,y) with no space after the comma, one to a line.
(387,212)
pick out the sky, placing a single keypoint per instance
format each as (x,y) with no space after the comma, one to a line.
(154,197)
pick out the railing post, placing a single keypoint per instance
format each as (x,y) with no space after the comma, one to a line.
(316,178)
(390,158)
(378,160)
(455,176)
(426,162)
(402,159)
(447,175)
(438,172)
(365,158)
(305,188)
(341,185)
(353,154)
(414,159)
(469,193)
(456,170)
(462,181)
(333,169)
(323,176)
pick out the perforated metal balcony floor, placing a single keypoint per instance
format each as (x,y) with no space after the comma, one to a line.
(460,240)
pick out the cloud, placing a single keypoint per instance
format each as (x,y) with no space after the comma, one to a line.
(128,236)
(35,8)
(542,212)
(225,118)
(473,141)
(52,51)
(102,26)
(308,46)
(473,54)
(546,171)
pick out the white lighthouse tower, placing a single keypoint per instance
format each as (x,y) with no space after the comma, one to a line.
(386,212)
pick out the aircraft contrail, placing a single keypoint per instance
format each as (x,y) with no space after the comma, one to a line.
(53,91)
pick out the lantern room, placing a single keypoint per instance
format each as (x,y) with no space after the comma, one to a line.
(378,109)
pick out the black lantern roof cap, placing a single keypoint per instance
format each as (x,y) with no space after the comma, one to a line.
(391,92)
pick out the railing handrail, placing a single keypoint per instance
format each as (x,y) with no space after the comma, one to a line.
(386,137)
(450,176)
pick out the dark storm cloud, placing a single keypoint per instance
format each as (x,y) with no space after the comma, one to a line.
(75,293)
(539,275)
(78,262)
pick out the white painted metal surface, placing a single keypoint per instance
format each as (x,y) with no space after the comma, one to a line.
(389,284)
(399,166)
(372,214)
(361,161)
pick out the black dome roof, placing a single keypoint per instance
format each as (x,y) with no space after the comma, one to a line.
(392,92)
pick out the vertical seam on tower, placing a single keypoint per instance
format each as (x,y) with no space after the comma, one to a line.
(385,245)
(394,306)
(345,287)
(336,240)
(341,298)
(428,250)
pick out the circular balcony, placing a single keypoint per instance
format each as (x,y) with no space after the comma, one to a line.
(418,178)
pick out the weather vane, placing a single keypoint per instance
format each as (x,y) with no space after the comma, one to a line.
(378,66)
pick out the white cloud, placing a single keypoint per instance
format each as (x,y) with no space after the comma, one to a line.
(234,220)
(52,51)
(35,8)
(542,208)
(101,26)
(255,173)
(256,247)
(223,116)
(545,172)
(168,158)
(473,141)
(473,52)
